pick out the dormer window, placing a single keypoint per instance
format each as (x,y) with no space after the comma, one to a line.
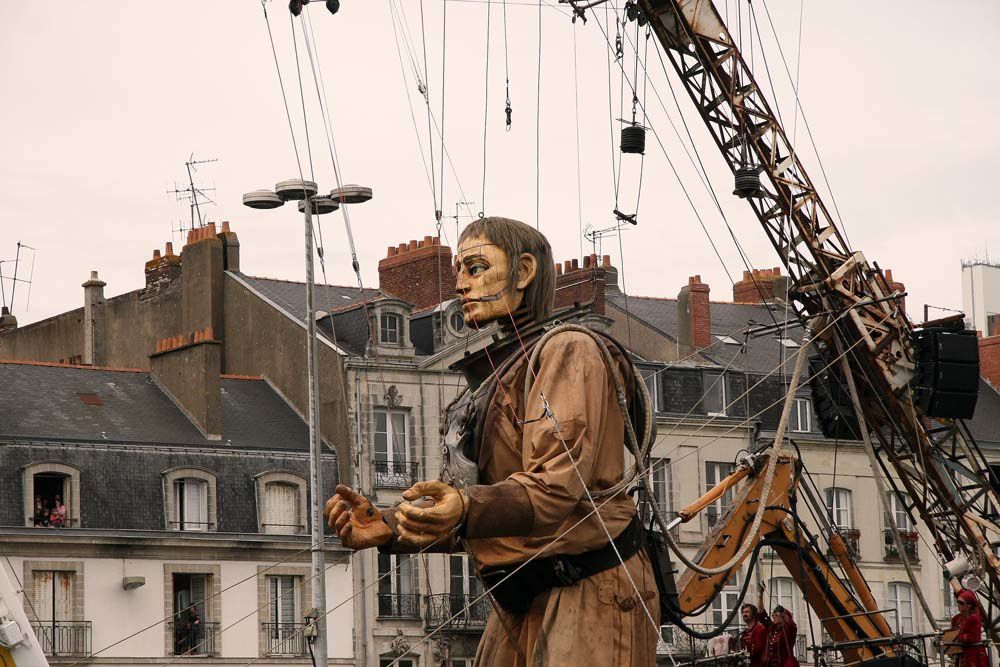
(457,322)
(390,326)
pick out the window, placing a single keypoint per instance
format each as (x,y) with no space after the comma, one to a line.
(281,502)
(284,623)
(950,608)
(53,602)
(714,473)
(190,499)
(838,507)
(908,535)
(193,634)
(800,419)
(714,398)
(457,322)
(464,589)
(390,436)
(897,506)
(781,591)
(397,585)
(727,600)
(389,328)
(51,495)
(649,377)
(901,599)
(190,505)
(659,484)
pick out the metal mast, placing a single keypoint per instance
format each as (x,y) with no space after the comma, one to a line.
(936,462)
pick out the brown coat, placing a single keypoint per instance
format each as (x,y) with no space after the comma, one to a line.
(531,494)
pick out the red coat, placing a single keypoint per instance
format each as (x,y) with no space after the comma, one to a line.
(970,631)
(780,650)
(753,640)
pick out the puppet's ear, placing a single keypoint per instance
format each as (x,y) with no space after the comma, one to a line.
(527,269)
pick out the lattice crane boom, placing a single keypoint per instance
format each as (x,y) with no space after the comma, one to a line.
(936,463)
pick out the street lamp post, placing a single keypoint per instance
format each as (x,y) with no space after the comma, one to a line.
(305,193)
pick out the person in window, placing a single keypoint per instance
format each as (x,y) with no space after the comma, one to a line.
(523,447)
(194,632)
(753,639)
(781,635)
(969,623)
(57,517)
(41,512)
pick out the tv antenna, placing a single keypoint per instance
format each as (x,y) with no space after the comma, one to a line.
(192,194)
(13,280)
(594,235)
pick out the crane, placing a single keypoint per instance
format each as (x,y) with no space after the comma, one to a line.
(908,389)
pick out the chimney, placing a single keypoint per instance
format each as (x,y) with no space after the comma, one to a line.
(94,339)
(585,284)
(188,368)
(419,272)
(230,248)
(694,316)
(162,270)
(895,286)
(761,285)
(7,321)
(201,280)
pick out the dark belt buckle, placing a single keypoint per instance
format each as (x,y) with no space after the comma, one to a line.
(565,572)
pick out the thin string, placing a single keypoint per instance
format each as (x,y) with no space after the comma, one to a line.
(538,126)
(486,111)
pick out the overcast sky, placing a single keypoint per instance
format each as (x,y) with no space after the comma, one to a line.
(103,102)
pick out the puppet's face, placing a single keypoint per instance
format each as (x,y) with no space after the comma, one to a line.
(482,281)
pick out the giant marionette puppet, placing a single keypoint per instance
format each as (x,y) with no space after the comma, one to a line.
(534,444)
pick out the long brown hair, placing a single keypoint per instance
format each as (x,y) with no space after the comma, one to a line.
(516,238)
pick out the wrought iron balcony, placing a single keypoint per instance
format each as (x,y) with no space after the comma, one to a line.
(399,605)
(469,612)
(910,538)
(679,644)
(395,474)
(63,637)
(852,540)
(198,639)
(285,638)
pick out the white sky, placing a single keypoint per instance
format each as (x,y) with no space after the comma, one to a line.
(103,102)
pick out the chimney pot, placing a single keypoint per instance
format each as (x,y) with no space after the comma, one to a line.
(606,262)
(401,248)
(558,269)
(225,226)
(170,248)
(586,262)
(428,240)
(776,271)
(211,230)
(413,244)
(156,254)
(437,240)
(391,252)
(576,264)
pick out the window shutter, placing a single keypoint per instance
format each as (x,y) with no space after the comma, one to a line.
(281,511)
(195,504)
(198,588)
(398,437)
(41,595)
(287,606)
(63,582)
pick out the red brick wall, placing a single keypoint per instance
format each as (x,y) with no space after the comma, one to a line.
(583,285)
(419,272)
(748,291)
(989,359)
(700,312)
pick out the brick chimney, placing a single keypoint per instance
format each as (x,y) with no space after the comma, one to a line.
(419,272)
(230,248)
(162,270)
(188,368)
(761,285)
(694,316)
(94,339)
(896,286)
(585,284)
(201,280)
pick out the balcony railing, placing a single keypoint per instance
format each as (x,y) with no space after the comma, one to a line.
(399,605)
(199,639)
(469,612)
(681,645)
(285,638)
(63,637)
(910,538)
(852,540)
(395,474)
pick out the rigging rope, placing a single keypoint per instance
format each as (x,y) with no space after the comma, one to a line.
(486,111)
(538,126)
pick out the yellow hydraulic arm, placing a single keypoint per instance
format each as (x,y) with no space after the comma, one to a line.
(847,617)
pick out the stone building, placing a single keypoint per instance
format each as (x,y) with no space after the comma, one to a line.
(171,542)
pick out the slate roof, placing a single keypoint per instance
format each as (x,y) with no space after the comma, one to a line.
(761,355)
(42,401)
(291,295)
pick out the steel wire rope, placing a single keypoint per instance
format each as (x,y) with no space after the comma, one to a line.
(684,189)
(427,103)
(444,60)
(538,126)
(576,109)
(805,121)
(406,89)
(24,593)
(486,111)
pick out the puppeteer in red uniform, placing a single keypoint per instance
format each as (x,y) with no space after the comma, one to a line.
(969,624)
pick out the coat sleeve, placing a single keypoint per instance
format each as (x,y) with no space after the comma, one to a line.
(564,412)
(970,629)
